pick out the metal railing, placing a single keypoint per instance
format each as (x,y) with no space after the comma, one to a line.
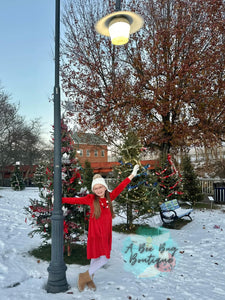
(208,184)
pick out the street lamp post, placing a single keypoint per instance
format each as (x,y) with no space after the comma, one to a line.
(57,269)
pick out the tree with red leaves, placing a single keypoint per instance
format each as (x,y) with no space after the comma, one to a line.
(167,83)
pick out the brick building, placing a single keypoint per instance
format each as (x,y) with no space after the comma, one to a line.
(90,147)
(94,149)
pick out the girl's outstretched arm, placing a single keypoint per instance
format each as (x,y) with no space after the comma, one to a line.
(115,193)
(86,200)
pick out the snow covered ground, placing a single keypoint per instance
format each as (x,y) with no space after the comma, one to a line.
(199,273)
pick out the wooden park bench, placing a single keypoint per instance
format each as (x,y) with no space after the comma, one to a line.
(171,211)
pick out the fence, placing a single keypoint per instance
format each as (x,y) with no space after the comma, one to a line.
(215,187)
(207,185)
(219,195)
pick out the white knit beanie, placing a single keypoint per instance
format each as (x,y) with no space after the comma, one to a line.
(98,179)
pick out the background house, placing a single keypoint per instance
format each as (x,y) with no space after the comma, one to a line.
(90,147)
(95,149)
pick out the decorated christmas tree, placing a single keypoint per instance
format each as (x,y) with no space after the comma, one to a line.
(170,180)
(75,217)
(141,196)
(16,181)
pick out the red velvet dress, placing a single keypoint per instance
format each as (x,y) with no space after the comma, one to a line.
(100,230)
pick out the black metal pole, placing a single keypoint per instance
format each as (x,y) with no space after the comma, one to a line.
(118,5)
(57,269)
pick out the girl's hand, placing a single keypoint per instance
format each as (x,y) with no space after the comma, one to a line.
(134,172)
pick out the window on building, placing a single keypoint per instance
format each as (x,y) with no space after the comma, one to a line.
(96,153)
(81,152)
(88,153)
(102,153)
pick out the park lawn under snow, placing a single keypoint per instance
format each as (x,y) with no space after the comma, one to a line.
(198,274)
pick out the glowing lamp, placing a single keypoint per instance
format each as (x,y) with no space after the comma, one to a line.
(119,30)
(119,25)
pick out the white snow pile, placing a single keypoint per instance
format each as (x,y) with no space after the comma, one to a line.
(199,272)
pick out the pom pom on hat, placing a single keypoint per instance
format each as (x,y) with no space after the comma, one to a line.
(98,179)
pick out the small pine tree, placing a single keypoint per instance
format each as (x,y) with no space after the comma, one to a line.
(191,184)
(136,200)
(88,174)
(75,217)
(16,181)
(39,176)
(169,179)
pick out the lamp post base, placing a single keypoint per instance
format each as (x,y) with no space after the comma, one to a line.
(57,282)
(57,268)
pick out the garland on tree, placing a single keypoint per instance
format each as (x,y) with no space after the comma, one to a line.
(141,196)
(143,173)
(170,185)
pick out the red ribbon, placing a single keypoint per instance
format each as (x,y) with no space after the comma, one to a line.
(169,158)
(65,227)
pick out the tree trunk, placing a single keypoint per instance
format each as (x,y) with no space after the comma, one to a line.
(129,215)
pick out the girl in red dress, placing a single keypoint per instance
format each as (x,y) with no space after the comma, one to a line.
(100,225)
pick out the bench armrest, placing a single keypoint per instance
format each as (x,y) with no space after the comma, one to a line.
(185,204)
(167,211)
